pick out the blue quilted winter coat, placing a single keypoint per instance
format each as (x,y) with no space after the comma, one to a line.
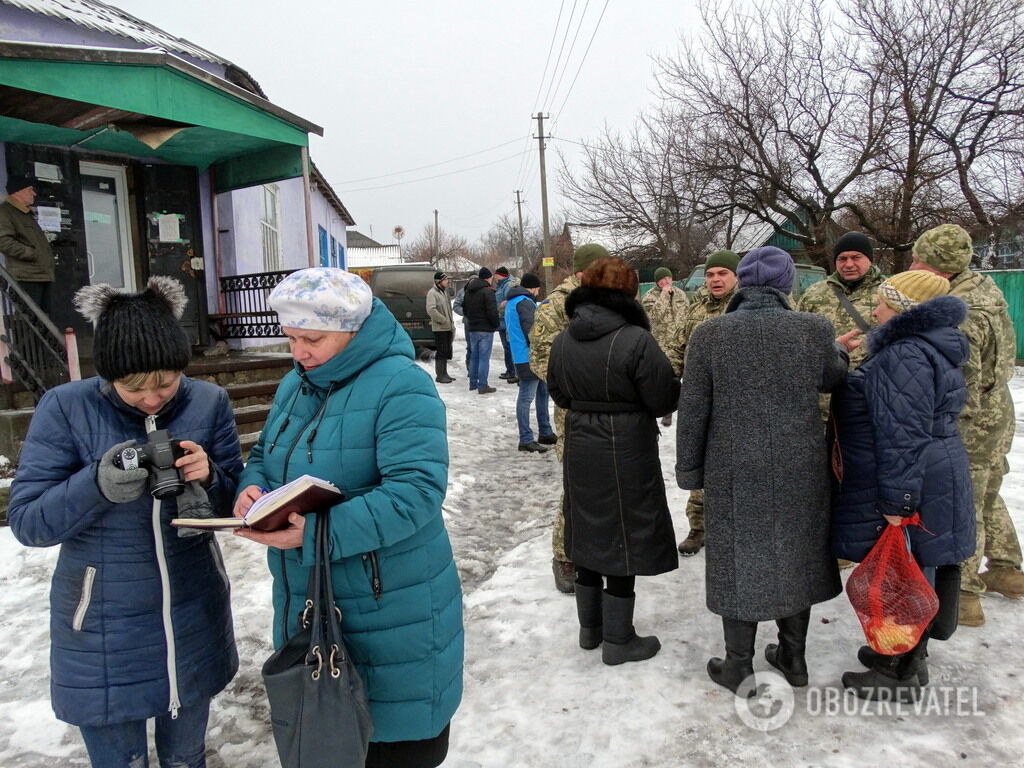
(109,652)
(370,421)
(896,420)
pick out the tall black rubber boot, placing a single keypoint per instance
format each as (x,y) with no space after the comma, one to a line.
(788,655)
(441,371)
(621,642)
(738,663)
(588,609)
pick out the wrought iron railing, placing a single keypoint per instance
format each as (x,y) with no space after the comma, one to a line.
(246,312)
(33,351)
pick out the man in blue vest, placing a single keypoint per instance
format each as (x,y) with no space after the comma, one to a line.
(520,309)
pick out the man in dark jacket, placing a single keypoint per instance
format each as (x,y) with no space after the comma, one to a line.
(520,310)
(504,283)
(481,312)
(28,256)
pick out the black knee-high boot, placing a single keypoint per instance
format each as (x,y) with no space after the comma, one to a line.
(894,678)
(738,663)
(621,642)
(788,655)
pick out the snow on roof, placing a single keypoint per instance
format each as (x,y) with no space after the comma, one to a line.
(106,18)
(613,239)
(379,256)
(748,232)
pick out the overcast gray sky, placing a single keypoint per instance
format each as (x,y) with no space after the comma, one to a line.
(401,85)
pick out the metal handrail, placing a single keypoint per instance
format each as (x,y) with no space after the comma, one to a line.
(33,351)
(246,311)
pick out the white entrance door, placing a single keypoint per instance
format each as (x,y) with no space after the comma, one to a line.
(107,239)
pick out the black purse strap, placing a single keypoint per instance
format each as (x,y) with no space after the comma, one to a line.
(321,612)
(851,310)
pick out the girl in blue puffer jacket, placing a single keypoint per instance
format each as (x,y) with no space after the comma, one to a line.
(902,454)
(359,412)
(140,622)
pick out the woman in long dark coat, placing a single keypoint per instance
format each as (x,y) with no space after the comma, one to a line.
(750,434)
(607,371)
(902,453)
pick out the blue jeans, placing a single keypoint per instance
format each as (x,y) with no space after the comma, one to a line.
(530,391)
(510,367)
(180,743)
(480,343)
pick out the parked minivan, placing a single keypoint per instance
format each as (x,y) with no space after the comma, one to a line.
(403,289)
(806,276)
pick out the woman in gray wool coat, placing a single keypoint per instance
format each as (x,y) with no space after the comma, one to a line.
(750,434)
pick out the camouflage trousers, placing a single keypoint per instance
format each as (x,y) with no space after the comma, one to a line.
(695,510)
(997,539)
(558,524)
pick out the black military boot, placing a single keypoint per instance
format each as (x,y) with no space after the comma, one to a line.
(891,678)
(588,609)
(621,642)
(787,655)
(738,663)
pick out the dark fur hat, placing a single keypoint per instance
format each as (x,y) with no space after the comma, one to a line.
(136,332)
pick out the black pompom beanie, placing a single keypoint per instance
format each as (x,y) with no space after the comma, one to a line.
(136,332)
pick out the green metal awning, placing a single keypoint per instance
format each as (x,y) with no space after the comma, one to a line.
(147,104)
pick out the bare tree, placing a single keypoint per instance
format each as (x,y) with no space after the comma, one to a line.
(444,254)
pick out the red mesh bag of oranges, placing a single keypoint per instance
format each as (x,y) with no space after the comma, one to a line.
(892,598)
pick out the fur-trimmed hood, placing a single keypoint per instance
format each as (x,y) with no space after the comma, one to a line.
(594,312)
(937,321)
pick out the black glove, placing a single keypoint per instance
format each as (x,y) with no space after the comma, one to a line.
(193,502)
(120,485)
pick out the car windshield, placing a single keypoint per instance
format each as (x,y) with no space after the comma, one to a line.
(402,282)
(696,280)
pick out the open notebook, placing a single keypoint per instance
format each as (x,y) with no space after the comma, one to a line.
(270,511)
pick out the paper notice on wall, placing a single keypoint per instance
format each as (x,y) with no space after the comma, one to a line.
(47,172)
(168,228)
(48,217)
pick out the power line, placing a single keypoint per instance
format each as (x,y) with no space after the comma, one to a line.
(428,178)
(578,69)
(551,47)
(572,47)
(561,48)
(431,165)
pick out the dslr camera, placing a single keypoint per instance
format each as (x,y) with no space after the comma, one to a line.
(157,455)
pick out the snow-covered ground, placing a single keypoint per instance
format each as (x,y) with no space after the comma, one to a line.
(532,696)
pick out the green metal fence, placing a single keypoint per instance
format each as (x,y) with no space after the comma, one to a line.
(1011,283)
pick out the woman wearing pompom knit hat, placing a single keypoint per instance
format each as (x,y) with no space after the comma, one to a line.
(141,619)
(896,422)
(359,412)
(749,433)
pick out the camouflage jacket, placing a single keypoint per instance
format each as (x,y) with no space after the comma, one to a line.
(987,420)
(666,311)
(821,299)
(703,307)
(549,321)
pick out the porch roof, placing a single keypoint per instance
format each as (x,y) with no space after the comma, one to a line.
(147,104)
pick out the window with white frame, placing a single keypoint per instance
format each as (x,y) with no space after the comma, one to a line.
(270,228)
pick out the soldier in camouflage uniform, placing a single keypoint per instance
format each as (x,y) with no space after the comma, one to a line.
(550,321)
(987,421)
(710,301)
(665,306)
(858,279)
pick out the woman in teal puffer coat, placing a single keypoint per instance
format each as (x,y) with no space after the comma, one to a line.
(359,412)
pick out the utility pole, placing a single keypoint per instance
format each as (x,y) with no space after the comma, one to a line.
(522,245)
(437,241)
(548,262)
